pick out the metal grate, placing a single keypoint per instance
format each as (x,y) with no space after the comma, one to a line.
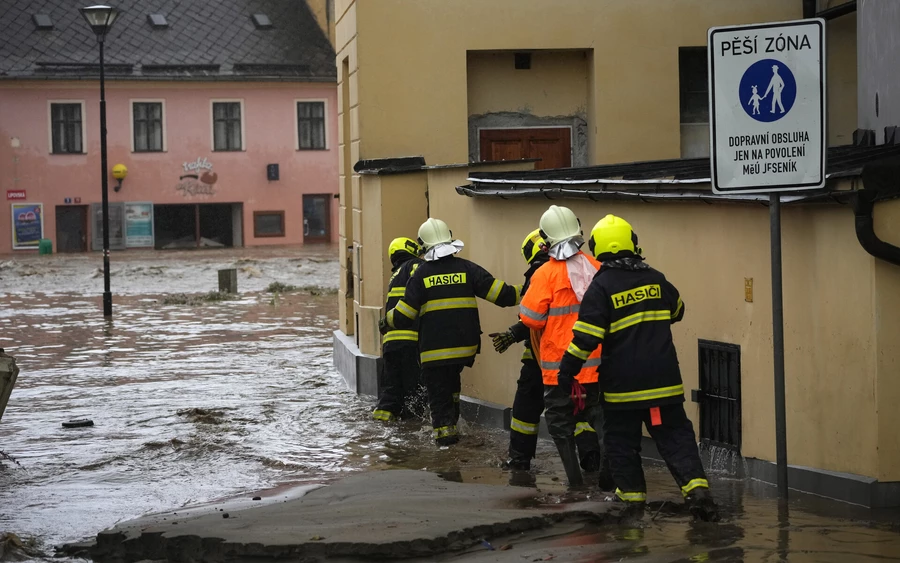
(719,395)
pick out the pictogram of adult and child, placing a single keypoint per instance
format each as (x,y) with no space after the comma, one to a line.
(776,86)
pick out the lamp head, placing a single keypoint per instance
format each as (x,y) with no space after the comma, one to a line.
(119,172)
(100,18)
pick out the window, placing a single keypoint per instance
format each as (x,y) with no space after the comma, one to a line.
(311,125)
(147,126)
(268,223)
(227,130)
(66,128)
(694,95)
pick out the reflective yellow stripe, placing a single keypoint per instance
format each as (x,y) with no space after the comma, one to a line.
(456,397)
(577,352)
(406,310)
(448,353)
(642,317)
(645,395)
(395,335)
(452,303)
(397,292)
(589,329)
(678,308)
(494,293)
(694,484)
(523,427)
(518,289)
(445,431)
(534,315)
(527,354)
(390,318)
(386,416)
(583,427)
(631,497)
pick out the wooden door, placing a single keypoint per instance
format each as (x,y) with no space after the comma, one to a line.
(553,145)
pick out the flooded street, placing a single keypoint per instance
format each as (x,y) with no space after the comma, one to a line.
(206,400)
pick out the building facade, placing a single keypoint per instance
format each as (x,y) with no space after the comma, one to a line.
(585,86)
(223,117)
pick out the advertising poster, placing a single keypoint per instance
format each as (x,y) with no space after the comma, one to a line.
(27,225)
(139,225)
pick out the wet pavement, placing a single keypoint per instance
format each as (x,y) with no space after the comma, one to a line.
(198,402)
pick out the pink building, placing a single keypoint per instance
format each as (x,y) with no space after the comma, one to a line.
(227,128)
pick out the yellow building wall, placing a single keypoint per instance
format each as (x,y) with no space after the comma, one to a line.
(830,359)
(413,56)
(840,55)
(887,331)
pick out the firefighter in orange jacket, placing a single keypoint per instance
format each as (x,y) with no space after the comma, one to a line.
(629,308)
(529,400)
(550,309)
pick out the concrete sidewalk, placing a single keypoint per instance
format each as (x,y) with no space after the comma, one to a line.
(396,514)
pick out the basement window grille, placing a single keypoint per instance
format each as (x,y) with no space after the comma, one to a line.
(719,395)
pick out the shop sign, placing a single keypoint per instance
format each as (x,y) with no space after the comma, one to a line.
(139,224)
(15,194)
(27,225)
(197,178)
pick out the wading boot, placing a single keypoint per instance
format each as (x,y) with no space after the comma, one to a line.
(570,462)
(591,462)
(605,481)
(632,514)
(701,505)
(516,464)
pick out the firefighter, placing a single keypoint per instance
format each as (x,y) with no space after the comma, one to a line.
(629,309)
(401,392)
(529,400)
(441,296)
(550,309)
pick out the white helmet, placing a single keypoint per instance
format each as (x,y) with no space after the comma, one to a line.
(558,224)
(432,232)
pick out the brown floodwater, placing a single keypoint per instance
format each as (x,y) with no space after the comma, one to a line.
(199,401)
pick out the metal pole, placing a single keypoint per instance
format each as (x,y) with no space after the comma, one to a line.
(104,182)
(778,344)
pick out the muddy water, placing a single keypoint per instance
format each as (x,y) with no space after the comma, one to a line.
(199,402)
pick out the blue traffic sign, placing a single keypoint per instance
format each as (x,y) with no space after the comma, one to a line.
(768,90)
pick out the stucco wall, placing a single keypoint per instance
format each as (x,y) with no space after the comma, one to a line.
(887,333)
(830,338)
(269,119)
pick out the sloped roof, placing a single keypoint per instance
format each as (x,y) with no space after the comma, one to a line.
(204,40)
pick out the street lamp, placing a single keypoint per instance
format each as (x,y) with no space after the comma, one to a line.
(101,18)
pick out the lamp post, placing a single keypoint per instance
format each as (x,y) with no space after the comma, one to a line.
(101,18)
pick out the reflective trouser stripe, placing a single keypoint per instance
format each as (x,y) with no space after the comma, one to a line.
(386,416)
(583,427)
(445,431)
(523,427)
(631,497)
(694,484)
(646,395)
(395,335)
(448,353)
(449,303)
(577,352)
(589,363)
(637,318)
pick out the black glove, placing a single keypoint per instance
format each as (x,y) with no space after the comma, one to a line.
(383,326)
(502,340)
(565,381)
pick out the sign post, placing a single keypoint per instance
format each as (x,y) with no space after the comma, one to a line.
(767,135)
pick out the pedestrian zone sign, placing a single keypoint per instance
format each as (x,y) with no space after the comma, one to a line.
(767,106)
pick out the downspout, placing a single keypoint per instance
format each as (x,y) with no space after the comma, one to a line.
(863,205)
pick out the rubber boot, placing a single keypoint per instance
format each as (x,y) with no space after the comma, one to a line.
(570,461)
(702,506)
(605,481)
(591,462)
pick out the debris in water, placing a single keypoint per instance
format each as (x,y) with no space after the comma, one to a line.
(257,498)
(505,547)
(225,515)
(278,287)
(487,544)
(185,299)
(316,538)
(4,455)
(78,423)
(14,548)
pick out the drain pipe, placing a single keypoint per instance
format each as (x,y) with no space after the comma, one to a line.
(863,205)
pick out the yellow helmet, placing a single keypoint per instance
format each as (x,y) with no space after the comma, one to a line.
(613,235)
(403,244)
(433,232)
(532,244)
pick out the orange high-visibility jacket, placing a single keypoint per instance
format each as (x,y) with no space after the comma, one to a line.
(551,306)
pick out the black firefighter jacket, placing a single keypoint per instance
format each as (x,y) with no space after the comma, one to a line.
(630,312)
(396,338)
(441,296)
